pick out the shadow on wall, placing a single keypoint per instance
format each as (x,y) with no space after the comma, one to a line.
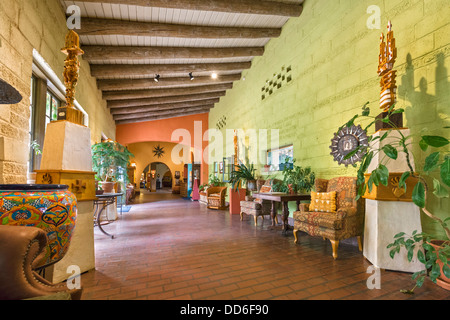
(427,114)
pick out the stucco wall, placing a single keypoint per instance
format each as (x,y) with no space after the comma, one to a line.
(334,59)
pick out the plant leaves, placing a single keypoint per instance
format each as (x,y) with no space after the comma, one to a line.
(418,195)
(431,161)
(446,270)
(383,175)
(435,141)
(439,190)
(445,172)
(390,151)
(423,145)
(404,177)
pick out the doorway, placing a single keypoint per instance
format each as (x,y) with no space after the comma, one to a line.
(157,177)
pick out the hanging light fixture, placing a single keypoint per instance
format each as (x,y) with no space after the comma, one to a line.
(191,76)
(157,77)
(214,75)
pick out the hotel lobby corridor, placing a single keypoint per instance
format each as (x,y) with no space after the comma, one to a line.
(169,248)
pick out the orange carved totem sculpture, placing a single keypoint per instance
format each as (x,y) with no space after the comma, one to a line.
(388,56)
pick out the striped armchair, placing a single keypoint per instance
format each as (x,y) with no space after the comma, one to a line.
(345,223)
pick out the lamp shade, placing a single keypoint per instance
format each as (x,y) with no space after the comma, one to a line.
(8,95)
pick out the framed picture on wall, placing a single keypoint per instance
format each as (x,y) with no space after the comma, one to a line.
(276,158)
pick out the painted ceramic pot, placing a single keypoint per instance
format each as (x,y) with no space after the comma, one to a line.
(51,208)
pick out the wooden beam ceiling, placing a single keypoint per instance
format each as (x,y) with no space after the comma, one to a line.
(128,42)
(109,27)
(261,7)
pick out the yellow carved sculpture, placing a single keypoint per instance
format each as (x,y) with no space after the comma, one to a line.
(71,70)
(388,56)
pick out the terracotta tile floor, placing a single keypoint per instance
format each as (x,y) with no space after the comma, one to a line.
(167,248)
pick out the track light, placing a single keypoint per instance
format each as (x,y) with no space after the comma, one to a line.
(157,77)
(191,76)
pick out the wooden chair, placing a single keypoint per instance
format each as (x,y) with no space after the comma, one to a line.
(216,197)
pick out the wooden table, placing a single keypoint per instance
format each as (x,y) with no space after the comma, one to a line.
(284,199)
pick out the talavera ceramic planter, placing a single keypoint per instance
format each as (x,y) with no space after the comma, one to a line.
(51,208)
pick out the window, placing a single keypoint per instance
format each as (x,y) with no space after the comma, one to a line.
(51,110)
(32,112)
(276,158)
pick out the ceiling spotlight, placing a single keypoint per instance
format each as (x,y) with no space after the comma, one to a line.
(157,77)
(191,76)
(214,75)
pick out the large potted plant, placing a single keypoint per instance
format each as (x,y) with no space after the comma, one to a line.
(433,253)
(110,161)
(243,174)
(296,179)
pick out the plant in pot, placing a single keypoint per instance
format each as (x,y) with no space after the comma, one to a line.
(433,177)
(243,174)
(296,179)
(110,161)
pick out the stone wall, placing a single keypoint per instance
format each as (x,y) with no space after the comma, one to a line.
(333,57)
(37,24)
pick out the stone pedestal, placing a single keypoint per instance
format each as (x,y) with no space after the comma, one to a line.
(67,159)
(389,211)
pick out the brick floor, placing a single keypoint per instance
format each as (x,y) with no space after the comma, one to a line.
(167,248)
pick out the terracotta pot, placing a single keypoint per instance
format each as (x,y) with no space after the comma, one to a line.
(108,186)
(51,208)
(442,281)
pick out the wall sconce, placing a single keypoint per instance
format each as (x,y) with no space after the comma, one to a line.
(191,76)
(157,77)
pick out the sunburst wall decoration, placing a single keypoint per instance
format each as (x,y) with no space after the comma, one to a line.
(349,140)
(159,151)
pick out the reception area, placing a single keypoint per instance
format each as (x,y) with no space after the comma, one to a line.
(224,151)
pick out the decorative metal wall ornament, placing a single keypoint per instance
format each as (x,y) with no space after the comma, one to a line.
(8,95)
(349,140)
(159,151)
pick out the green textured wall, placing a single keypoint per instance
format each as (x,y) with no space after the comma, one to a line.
(334,60)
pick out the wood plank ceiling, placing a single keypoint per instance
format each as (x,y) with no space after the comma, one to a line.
(128,43)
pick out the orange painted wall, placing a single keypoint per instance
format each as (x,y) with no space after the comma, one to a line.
(161,130)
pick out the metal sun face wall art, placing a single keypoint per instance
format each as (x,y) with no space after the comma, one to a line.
(347,140)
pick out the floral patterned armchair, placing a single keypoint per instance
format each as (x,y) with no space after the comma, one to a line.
(346,222)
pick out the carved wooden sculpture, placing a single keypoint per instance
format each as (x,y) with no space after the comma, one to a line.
(388,56)
(71,69)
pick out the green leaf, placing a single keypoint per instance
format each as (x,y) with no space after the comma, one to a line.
(439,190)
(351,122)
(446,270)
(390,151)
(435,141)
(423,145)
(418,195)
(445,172)
(404,177)
(383,175)
(399,235)
(421,256)
(431,161)
(398,111)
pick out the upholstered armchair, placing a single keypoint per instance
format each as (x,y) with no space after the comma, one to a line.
(216,197)
(21,250)
(343,220)
(258,207)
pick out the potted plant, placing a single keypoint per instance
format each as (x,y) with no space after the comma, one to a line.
(243,174)
(433,253)
(110,161)
(296,179)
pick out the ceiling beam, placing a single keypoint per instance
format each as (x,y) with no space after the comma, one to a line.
(111,53)
(102,71)
(146,119)
(162,113)
(109,27)
(164,100)
(261,7)
(162,107)
(126,86)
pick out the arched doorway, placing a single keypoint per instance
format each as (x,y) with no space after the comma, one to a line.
(157,177)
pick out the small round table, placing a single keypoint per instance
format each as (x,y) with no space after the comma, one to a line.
(105,200)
